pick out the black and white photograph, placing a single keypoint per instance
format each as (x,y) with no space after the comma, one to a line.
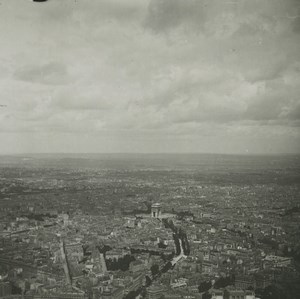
(149,149)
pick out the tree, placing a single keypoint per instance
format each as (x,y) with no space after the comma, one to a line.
(148,281)
(272,292)
(223,282)
(206,295)
(120,264)
(154,269)
(204,286)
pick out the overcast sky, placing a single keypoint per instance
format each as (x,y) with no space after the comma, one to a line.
(214,76)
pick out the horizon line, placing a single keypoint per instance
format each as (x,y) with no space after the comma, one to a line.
(152,153)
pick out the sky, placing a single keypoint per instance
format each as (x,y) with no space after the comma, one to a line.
(150,76)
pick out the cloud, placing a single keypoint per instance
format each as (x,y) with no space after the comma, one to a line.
(268,108)
(53,73)
(169,14)
(136,73)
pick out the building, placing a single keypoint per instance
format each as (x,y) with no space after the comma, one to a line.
(234,294)
(244,282)
(179,283)
(5,289)
(217,294)
(156,210)
(135,281)
(98,260)
(262,281)
(155,291)
(58,295)
(112,293)
(136,266)
(277,261)
(249,294)
(231,293)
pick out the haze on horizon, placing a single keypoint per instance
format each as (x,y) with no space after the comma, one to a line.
(207,76)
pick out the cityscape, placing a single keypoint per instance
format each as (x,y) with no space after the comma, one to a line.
(149,149)
(149,226)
